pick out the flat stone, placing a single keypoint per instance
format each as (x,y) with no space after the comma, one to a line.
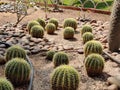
(112,87)
(2,46)
(80,51)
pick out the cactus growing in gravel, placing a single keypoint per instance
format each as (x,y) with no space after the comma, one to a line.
(54,21)
(70,22)
(68,33)
(86,28)
(93,47)
(114,33)
(41,22)
(87,37)
(5,84)
(94,64)
(31,24)
(15,51)
(17,71)
(50,28)
(60,58)
(65,77)
(50,54)
(37,31)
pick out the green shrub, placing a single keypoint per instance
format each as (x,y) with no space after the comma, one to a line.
(54,21)
(5,84)
(17,71)
(50,28)
(60,58)
(94,64)
(41,22)
(93,47)
(70,22)
(15,51)
(69,33)
(37,31)
(65,77)
(86,28)
(87,37)
(50,54)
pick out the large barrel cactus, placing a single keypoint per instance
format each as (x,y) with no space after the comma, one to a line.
(86,28)
(69,33)
(50,28)
(15,51)
(54,21)
(41,22)
(65,77)
(114,33)
(93,47)
(5,84)
(94,64)
(50,54)
(17,71)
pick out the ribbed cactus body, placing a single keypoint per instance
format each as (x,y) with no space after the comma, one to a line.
(50,54)
(68,33)
(5,84)
(17,71)
(54,21)
(37,31)
(60,58)
(15,51)
(70,22)
(94,64)
(65,77)
(41,22)
(87,37)
(86,28)
(93,47)
(50,28)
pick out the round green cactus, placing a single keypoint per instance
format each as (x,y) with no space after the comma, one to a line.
(93,47)
(50,28)
(65,77)
(50,54)
(15,51)
(94,64)
(41,22)
(86,28)
(60,58)
(31,24)
(37,31)
(54,21)
(87,37)
(68,33)
(17,71)
(70,22)
(5,84)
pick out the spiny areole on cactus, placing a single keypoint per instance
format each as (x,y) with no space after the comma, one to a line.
(41,22)
(54,21)
(93,47)
(87,37)
(5,84)
(94,64)
(70,22)
(17,71)
(69,33)
(15,51)
(37,31)
(31,24)
(60,58)
(50,54)
(86,28)
(50,28)
(65,77)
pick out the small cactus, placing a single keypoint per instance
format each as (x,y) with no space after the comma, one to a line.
(50,28)
(94,64)
(31,24)
(54,21)
(41,22)
(15,51)
(70,22)
(93,47)
(65,77)
(50,54)
(37,31)
(60,58)
(86,28)
(5,84)
(87,37)
(68,33)
(17,71)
